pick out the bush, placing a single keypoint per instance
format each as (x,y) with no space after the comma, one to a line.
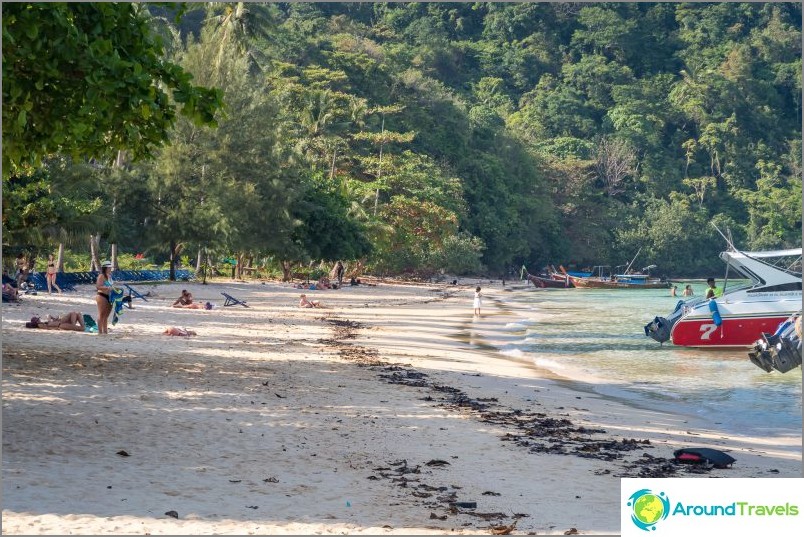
(461,254)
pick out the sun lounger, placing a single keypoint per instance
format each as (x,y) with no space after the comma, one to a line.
(232,301)
(133,293)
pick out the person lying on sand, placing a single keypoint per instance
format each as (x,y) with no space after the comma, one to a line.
(304,303)
(69,321)
(176,331)
(186,301)
(10,293)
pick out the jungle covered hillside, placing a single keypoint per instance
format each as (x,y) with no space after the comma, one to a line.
(468,137)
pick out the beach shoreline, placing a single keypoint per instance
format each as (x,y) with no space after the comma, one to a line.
(375,415)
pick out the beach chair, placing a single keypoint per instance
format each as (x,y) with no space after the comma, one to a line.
(232,301)
(133,293)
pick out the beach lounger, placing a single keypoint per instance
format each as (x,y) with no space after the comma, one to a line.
(133,293)
(232,301)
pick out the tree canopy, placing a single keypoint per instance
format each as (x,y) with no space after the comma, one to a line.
(88,79)
(417,137)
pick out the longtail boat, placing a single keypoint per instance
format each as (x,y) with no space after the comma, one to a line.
(550,281)
(621,281)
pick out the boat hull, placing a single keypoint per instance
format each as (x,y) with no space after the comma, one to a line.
(552,282)
(736,331)
(594,283)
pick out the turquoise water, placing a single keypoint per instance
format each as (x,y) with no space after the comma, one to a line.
(597,335)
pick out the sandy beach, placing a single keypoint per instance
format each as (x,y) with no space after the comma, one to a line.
(377,414)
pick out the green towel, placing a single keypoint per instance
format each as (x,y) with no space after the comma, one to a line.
(89,324)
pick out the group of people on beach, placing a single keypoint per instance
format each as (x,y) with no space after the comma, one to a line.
(109,299)
(12,286)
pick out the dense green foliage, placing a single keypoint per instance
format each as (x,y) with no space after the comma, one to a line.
(87,79)
(420,137)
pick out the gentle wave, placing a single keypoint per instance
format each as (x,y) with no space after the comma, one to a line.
(520,324)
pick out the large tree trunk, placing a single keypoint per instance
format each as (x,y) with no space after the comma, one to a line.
(94,264)
(31,262)
(286,271)
(114,256)
(240,259)
(356,269)
(198,261)
(60,258)
(173,254)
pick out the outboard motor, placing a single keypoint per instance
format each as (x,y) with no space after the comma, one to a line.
(659,329)
(787,355)
(780,351)
(760,356)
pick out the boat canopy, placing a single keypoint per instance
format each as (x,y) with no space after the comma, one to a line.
(750,265)
(794,252)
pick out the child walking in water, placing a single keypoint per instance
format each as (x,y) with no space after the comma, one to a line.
(478,301)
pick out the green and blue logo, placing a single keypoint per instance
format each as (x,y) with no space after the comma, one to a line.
(648,508)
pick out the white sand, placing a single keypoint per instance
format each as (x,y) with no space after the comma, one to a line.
(266,423)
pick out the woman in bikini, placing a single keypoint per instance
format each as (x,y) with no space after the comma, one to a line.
(69,321)
(104,287)
(51,275)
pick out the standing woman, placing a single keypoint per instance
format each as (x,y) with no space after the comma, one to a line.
(22,270)
(477,302)
(104,286)
(51,274)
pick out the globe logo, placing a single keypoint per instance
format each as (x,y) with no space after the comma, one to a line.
(648,508)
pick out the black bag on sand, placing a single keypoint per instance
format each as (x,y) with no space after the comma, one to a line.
(716,458)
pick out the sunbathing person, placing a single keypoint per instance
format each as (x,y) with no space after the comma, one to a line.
(176,331)
(304,303)
(73,320)
(10,293)
(186,301)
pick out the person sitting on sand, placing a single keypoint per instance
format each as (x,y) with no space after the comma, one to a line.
(186,301)
(304,303)
(176,331)
(323,283)
(73,320)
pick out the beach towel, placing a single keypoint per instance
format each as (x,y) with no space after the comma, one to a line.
(89,324)
(116,299)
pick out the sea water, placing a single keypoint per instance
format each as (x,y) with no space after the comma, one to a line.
(597,337)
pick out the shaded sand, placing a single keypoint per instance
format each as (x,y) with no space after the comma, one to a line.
(375,415)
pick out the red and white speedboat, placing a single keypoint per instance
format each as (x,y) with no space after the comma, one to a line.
(741,314)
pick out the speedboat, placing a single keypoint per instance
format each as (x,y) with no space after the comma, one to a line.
(741,314)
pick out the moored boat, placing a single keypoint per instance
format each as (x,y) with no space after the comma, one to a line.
(622,281)
(619,281)
(740,315)
(550,281)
